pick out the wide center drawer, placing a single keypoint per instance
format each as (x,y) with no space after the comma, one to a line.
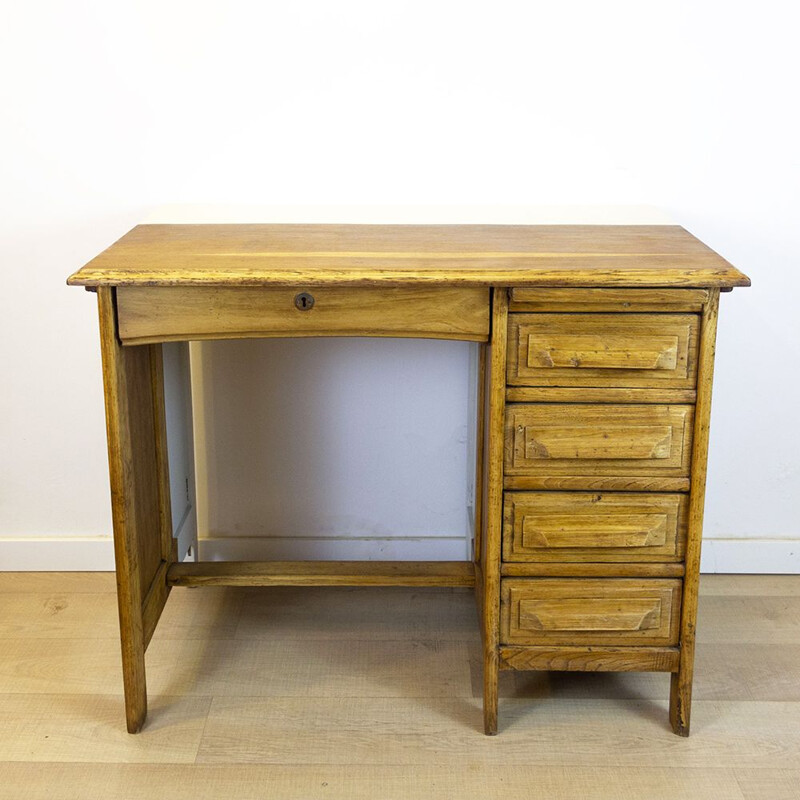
(601,611)
(603,350)
(600,440)
(591,527)
(165,313)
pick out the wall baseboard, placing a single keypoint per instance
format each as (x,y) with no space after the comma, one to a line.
(96,553)
(57,554)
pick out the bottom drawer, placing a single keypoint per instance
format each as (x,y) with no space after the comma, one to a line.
(582,611)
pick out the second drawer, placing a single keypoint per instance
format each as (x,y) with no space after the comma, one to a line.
(592,527)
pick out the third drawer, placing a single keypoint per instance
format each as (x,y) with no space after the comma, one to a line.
(598,440)
(594,527)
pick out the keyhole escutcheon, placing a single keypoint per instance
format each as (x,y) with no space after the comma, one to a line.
(304,301)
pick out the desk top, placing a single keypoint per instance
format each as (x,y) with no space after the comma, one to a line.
(371,255)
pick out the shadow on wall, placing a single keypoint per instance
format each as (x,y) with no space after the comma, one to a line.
(334,448)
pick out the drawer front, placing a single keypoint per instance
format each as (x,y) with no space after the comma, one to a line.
(600,611)
(598,440)
(165,313)
(624,301)
(603,350)
(584,527)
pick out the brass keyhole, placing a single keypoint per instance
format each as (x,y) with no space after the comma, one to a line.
(304,301)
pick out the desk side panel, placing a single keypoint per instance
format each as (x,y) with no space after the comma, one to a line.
(140,503)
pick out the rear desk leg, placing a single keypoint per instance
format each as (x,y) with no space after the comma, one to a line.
(680,700)
(140,504)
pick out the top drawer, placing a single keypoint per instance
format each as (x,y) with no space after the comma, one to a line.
(168,313)
(603,350)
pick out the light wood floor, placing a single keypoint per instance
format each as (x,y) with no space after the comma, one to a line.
(375,693)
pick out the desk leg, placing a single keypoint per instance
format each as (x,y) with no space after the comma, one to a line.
(495,394)
(680,699)
(140,503)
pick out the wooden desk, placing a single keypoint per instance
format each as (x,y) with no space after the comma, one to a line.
(596,365)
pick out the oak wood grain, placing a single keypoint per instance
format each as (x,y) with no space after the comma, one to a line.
(598,440)
(603,350)
(604,316)
(493,506)
(590,611)
(629,483)
(586,394)
(582,569)
(618,300)
(480,466)
(139,495)
(477,255)
(591,659)
(174,313)
(579,526)
(681,686)
(322,573)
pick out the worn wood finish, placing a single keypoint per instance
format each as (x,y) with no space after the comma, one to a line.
(602,611)
(479,583)
(580,569)
(556,526)
(154,601)
(477,255)
(480,458)
(607,350)
(598,440)
(169,547)
(603,350)
(322,573)
(617,396)
(618,300)
(139,496)
(567,483)
(590,659)
(174,313)
(681,686)
(493,506)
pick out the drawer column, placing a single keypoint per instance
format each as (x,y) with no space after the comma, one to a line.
(606,438)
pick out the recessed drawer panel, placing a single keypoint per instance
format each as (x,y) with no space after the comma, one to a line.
(598,440)
(603,350)
(591,527)
(601,611)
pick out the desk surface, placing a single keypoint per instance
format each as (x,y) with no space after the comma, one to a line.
(370,255)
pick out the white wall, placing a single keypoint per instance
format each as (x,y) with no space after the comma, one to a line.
(108,109)
(335,448)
